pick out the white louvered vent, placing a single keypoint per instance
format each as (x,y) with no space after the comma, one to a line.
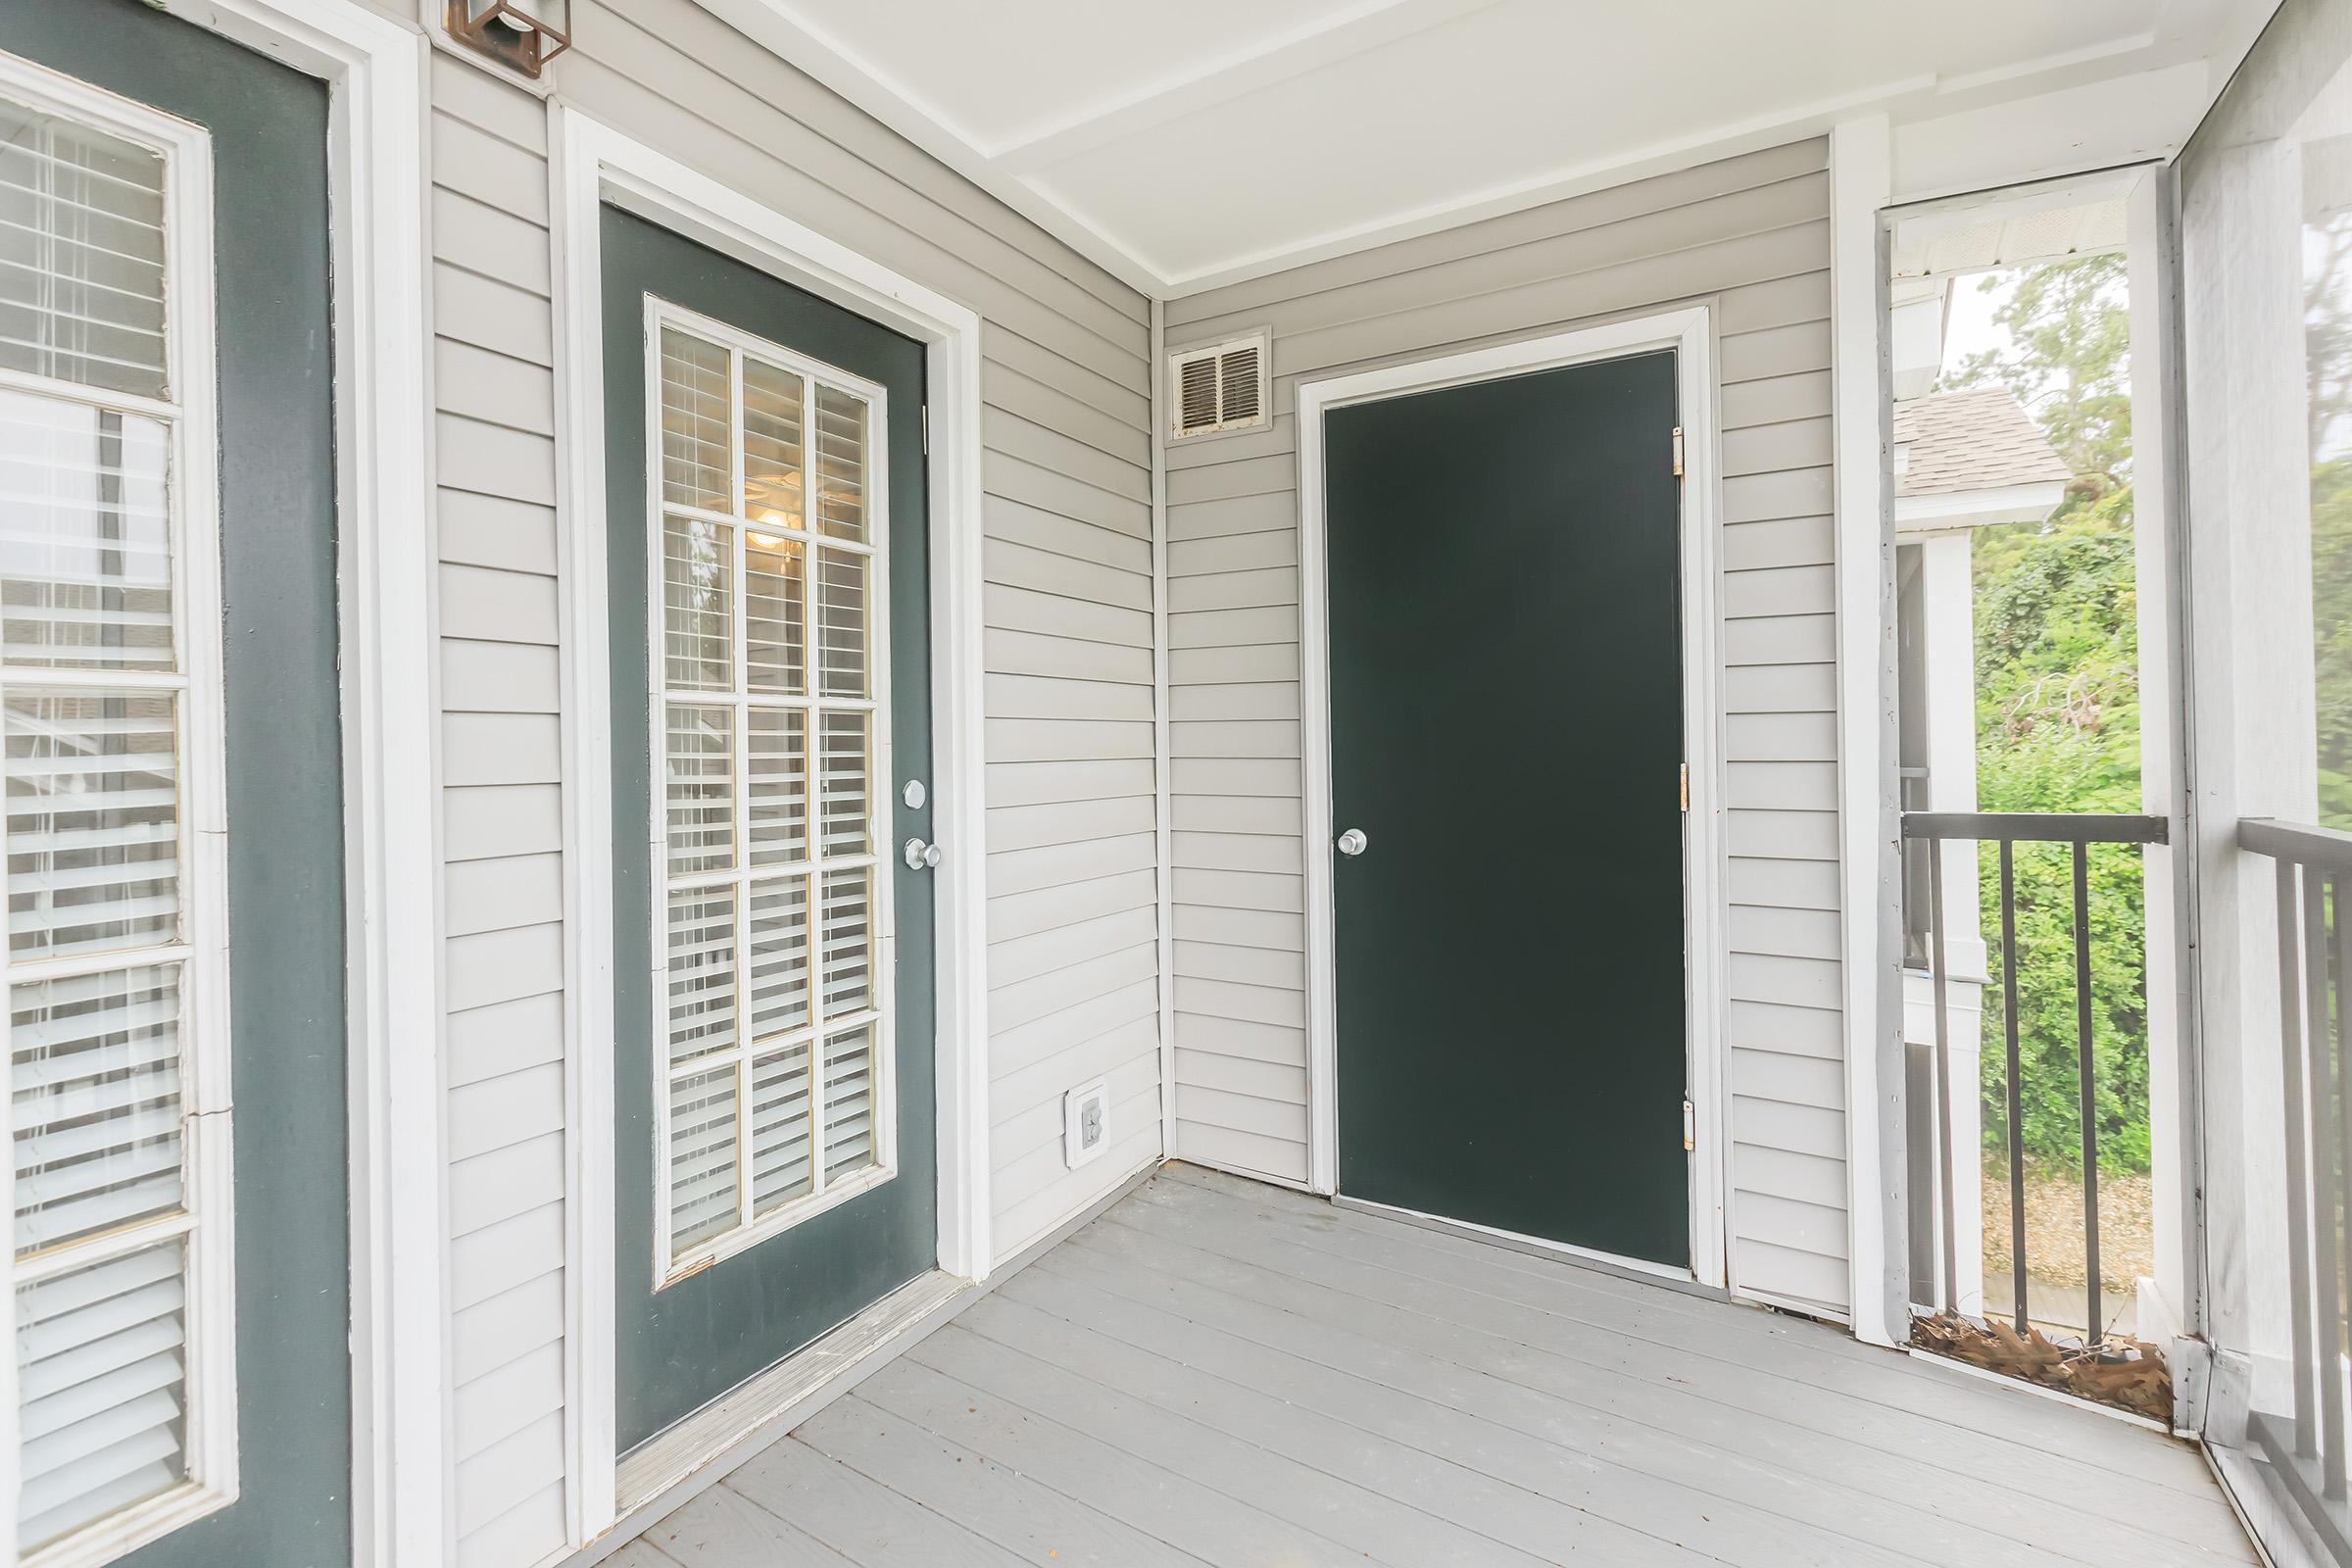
(1220,386)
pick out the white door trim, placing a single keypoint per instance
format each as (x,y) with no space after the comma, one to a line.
(376,140)
(592,163)
(1689,332)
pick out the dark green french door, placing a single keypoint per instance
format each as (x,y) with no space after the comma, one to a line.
(1506,725)
(169,670)
(770,660)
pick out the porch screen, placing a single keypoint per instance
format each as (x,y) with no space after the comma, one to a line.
(771,731)
(109,699)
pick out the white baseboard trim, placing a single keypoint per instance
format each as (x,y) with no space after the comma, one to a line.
(2003,1379)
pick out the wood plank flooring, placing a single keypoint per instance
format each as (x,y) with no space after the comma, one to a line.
(1222,1373)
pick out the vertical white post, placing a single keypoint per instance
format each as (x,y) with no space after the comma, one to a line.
(1860,182)
(2166,1301)
(2251,723)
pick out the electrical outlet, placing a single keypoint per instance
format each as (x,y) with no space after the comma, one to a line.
(1085,1123)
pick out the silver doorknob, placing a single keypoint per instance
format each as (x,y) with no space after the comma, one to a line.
(921,857)
(1352,841)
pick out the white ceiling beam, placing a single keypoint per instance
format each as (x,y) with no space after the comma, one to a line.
(1276,58)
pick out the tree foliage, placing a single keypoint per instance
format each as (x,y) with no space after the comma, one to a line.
(2057,682)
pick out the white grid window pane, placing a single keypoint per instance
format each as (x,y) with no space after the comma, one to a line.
(93,836)
(703,1139)
(701,771)
(844,783)
(849,1102)
(102,1385)
(840,463)
(779,956)
(81,255)
(701,972)
(86,536)
(783,1163)
(698,465)
(775,613)
(778,785)
(843,621)
(95,1100)
(698,603)
(847,932)
(772,410)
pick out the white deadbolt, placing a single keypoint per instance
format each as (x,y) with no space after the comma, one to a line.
(921,857)
(914,794)
(1352,841)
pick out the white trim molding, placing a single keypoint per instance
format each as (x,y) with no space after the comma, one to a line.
(1689,334)
(1869,872)
(593,163)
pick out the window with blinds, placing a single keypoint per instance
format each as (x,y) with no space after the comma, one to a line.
(110,703)
(770,734)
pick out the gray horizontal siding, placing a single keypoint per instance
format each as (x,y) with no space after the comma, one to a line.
(1072,914)
(1751,236)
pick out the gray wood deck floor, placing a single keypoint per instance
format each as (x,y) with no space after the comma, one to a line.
(1216,1372)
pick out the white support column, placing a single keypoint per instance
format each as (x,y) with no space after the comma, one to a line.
(1860,178)
(2167,1300)
(2251,721)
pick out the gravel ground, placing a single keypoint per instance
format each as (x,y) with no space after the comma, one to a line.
(2054,1227)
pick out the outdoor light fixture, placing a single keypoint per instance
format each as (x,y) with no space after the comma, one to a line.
(523,35)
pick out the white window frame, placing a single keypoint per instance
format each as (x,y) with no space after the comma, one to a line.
(206,1217)
(880,1014)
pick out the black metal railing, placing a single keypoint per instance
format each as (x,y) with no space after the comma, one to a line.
(2309,1452)
(2006,831)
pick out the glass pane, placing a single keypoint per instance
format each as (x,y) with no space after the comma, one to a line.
(702,971)
(849,940)
(701,789)
(698,610)
(841,624)
(94,1082)
(86,536)
(782,1163)
(779,785)
(840,463)
(779,956)
(849,1102)
(843,782)
(81,254)
(93,838)
(775,613)
(771,445)
(698,466)
(102,1388)
(703,1190)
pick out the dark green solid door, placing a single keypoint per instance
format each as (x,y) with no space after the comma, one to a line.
(267,127)
(753,1080)
(1506,713)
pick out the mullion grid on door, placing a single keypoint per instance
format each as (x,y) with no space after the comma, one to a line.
(179,1250)
(737,1065)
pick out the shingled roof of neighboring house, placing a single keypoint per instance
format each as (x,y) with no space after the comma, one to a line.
(1981,440)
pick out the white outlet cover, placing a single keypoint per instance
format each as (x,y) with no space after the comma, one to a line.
(1085,1123)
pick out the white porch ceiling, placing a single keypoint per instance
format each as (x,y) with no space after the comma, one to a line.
(1190,146)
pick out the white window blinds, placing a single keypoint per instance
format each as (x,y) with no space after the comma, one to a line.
(109,756)
(770,725)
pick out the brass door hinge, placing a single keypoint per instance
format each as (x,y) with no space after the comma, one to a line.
(1686,787)
(1689,1127)
(1678,452)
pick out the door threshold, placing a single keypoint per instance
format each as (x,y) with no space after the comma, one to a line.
(1640,1270)
(656,1475)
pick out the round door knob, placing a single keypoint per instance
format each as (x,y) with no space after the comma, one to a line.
(1352,841)
(921,857)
